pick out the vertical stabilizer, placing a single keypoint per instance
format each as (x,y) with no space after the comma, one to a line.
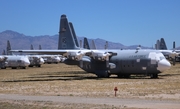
(80,42)
(174,45)
(162,44)
(86,44)
(32,48)
(158,45)
(106,45)
(40,48)
(66,38)
(93,45)
(8,48)
(155,46)
(4,52)
(74,34)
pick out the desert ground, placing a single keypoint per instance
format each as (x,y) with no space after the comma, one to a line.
(63,86)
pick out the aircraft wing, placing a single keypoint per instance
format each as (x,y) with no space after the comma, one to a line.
(66,52)
(52,52)
(55,52)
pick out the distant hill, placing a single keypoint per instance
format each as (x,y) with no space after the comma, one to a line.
(21,41)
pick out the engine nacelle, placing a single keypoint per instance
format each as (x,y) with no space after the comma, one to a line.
(75,55)
(101,56)
(2,58)
(173,55)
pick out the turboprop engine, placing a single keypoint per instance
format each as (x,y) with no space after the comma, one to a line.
(2,58)
(101,56)
(75,55)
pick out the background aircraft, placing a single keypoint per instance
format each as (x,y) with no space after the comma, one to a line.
(13,61)
(172,55)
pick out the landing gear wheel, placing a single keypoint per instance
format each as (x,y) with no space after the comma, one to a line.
(154,76)
(124,76)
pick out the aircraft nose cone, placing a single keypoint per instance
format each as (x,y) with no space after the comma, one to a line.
(163,65)
(41,61)
(27,63)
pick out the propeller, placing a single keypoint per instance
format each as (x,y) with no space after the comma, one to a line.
(101,56)
(77,56)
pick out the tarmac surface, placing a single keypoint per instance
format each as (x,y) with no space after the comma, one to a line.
(130,103)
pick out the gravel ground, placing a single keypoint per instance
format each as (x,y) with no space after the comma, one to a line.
(74,88)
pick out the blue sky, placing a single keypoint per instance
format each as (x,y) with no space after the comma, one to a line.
(129,22)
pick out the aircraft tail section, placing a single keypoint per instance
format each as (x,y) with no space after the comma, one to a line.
(86,44)
(66,38)
(8,48)
(74,34)
(157,44)
(40,48)
(4,52)
(174,45)
(32,48)
(93,45)
(106,45)
(162,45)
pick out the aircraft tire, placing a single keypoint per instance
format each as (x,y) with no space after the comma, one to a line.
(38,65)
(120,76)
(3,67)
(14,67)
(154,76)
(23,67)
(104,76)
(124,76)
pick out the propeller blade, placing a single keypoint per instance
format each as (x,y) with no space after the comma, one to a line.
(107,61)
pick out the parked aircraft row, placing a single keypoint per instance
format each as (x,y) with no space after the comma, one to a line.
(106,62)
(23,61)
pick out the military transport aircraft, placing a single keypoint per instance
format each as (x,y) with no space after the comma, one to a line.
(13,61)
(103,63)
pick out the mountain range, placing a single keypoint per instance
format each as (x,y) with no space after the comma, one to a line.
(21,41)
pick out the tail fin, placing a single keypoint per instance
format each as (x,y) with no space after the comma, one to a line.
(162,45)
(86,44)
(8,48)
(40,48)
(174,45)
(93,45)
(106,45)
(32,48)
(4,52)
(157,45)
(74,34)
(66,38)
